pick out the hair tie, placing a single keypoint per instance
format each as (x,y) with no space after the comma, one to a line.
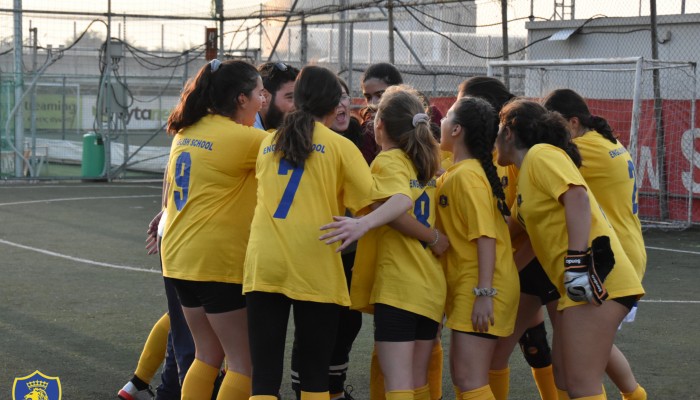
(420,117)
(215,64)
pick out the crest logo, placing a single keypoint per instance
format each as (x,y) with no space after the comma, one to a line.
(36,386)
(443,200)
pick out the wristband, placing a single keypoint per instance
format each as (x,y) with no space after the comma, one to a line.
(485,292)
(437,237)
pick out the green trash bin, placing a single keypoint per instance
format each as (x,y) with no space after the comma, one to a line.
(93,155)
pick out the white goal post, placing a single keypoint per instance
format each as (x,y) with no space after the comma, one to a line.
(650,105)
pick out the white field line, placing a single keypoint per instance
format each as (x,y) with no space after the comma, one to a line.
(697,253)
(78,259)
(13,187)
(77,199)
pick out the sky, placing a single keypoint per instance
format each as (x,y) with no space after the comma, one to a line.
(176,34)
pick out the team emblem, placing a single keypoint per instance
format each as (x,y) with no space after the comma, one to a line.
(443,200)
(36,386)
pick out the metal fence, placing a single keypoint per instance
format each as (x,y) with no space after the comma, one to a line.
(80,98)
(650,105)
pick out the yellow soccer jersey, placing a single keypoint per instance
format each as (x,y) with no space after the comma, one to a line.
(210,200)
(467,210)
(446,159)
(609,172)
(284,253)
(546,173)
(406,273)
(509,179)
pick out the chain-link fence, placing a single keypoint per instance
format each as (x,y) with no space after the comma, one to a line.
(650,105)
(84,106)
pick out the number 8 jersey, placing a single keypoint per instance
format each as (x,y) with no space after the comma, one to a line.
(390,267)
(210,200)
(284,253)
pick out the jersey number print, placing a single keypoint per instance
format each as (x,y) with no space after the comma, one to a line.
(291,189)
(182,179)
(630,169)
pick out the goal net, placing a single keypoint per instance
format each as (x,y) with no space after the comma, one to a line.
(651,107)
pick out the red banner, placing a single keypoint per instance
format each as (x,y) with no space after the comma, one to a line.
(681,152)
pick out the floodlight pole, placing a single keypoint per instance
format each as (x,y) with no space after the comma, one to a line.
(19,88)
(390,9)
(219,4)
(504,33)
(658,115)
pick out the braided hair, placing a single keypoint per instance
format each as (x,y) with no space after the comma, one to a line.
(533,124)
(570,104)
(478,118)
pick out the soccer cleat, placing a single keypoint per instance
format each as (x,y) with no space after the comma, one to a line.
(129,392)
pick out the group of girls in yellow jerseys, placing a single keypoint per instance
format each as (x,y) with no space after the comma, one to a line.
(256,225)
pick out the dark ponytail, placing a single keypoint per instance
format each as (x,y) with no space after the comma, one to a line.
(478,120)
(213,92)
(532,124)
(487,88)
(316,94)
(407,124)
(570,104)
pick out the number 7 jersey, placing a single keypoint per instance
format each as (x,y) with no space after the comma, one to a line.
(284,253)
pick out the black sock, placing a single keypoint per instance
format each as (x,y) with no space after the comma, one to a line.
(140,385)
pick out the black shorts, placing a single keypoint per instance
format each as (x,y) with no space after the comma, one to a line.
(535,282)
(215,297)
(627,301)
(393,324)
(480,334)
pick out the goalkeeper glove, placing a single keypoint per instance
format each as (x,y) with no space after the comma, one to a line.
(576,281)
(602,262)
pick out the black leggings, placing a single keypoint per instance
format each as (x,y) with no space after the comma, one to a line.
(349,325)
(316,325)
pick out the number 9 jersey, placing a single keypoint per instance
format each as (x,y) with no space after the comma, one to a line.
(284,253)
(210,200)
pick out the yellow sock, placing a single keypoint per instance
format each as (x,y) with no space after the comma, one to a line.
(482,393)
(596,397)
(499,383)
(435,371)
(154,350)
(376,379)
(544,379)
(422,393)
(399,395)
(199,381)
(562,394)
(235,386)
(638,394)
(315,395)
